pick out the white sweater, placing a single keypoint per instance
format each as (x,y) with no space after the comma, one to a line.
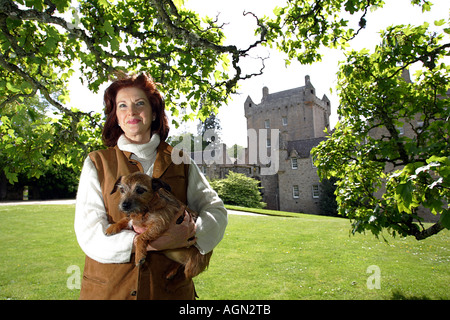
(91,220)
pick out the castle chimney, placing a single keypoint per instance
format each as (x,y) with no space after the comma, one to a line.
(307,80)
(265,91)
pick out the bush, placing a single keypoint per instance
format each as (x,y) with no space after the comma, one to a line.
(239,190)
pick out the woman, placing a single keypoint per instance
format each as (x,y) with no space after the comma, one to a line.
(135,130)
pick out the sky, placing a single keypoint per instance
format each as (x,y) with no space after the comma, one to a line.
(277,77)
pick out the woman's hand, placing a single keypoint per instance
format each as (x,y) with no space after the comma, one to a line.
(177,236)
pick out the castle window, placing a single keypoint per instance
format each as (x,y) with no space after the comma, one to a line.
(294,164)
(315,191)
(267,124)
(295,192)
(284,121)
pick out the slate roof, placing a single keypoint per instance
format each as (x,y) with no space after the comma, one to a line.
(284,94)
(303,147)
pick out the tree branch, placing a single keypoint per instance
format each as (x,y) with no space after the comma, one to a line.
(182,31)
(15,97)
(45,17)
(178,32)
(36,84)
(434,229)
(175,30)
(427,59)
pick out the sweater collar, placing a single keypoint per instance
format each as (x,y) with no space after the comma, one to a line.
(143,151)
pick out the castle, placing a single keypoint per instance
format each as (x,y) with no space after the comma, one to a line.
(299,118)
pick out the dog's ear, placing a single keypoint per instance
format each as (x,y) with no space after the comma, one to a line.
(158,184)
(116,185)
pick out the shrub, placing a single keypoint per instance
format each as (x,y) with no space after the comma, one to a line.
(239,190)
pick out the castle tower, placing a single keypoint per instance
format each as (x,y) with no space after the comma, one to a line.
(298,113)
(301,117)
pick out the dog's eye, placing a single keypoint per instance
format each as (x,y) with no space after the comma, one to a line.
(121,189)
(140,190)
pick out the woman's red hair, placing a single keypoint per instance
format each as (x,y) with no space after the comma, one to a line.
(111,130)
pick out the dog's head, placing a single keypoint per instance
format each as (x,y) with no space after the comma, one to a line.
(137,191)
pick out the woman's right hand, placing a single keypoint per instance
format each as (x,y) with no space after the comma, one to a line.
(177,236)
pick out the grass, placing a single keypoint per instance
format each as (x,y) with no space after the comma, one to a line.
(37,245)
(264,257)
(313,257)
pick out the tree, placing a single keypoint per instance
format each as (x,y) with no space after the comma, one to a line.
(180,50)
(211,127)
(41,42)
(25,133)
(385,174)
(32,143)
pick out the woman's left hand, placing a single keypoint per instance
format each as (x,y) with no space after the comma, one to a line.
(177,236)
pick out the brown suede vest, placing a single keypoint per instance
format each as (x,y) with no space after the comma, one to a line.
(124,281)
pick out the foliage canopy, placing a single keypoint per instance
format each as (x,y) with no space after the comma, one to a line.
(390,149)
(42,42)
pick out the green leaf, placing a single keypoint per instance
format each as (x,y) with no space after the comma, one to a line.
(115,45)
(103,3)
(439,23)
(278,10)
(61,5)
(445,219)
(11,176)
(11,132)
(109,29)
(178,3)
(426,7)
(50,45)
(437,159)
(404,196)
(11,87)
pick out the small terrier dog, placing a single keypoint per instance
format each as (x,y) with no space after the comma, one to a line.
(149,203)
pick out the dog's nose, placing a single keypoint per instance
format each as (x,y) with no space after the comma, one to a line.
(126,205)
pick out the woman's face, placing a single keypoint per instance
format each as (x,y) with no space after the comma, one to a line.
(134,114)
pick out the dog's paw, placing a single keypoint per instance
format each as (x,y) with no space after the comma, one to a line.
(112,229)
(140,262)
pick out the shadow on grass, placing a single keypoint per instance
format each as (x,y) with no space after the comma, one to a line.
(398,295)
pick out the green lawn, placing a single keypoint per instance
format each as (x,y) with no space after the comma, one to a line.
(263,257)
